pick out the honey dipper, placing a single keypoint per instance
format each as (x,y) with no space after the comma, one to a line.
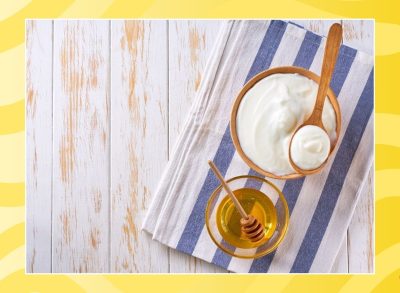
(251,227)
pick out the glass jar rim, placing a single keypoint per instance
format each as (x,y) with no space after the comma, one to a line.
(285,224)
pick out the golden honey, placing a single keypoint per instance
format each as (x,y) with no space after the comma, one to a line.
(255,203)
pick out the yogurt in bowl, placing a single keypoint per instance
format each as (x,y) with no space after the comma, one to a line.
(267,112)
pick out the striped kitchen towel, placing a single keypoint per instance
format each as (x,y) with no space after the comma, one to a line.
(321,205)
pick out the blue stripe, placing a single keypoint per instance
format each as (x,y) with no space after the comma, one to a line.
(253,183)
(221,258)
(292,188)
(225,151)
(345,59)
(268,48)
(261,62)
(196,222)
(308,49)
(336,177)
(304,58)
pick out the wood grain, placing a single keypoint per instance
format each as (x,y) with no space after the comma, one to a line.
(139,140)
(359,33)
(81,147)
(39,125)
(190,45)
(360,240)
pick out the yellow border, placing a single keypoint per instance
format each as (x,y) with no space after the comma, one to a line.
(387,108)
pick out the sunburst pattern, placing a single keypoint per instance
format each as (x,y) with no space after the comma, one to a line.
(12,214)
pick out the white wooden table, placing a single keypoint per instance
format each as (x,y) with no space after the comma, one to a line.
(90,178)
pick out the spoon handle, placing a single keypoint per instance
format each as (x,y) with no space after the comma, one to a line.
(331,52)
(228,189)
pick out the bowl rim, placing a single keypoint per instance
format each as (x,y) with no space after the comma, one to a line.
(275,70)
(285,225)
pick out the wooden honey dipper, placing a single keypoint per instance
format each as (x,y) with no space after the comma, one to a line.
(250,226)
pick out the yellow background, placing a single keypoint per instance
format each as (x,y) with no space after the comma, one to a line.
(12,140)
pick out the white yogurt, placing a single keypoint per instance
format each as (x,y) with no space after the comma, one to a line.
(270,112)
(310,147)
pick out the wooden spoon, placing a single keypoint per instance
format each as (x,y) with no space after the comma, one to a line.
(251,227)
(331,52)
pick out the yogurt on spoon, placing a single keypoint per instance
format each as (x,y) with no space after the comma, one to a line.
(310,147)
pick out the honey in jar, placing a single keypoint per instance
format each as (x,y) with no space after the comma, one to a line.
(255,203)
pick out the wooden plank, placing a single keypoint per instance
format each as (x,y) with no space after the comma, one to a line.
(139,140)
(361,231)
(190,45)
(39,48)
(359,34)
(81,146)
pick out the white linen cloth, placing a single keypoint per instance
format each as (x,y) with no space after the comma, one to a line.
(321,205)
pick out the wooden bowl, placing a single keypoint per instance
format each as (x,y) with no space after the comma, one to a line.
(249,85)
